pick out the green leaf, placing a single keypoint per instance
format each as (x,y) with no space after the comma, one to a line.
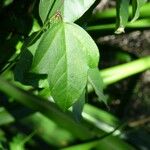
(65,54)
(96,81)
(122,15)
(16,143)
(136,5)
(21,72)
(70,10)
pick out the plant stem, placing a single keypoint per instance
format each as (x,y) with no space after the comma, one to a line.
(117,73)
(111,13)
(47,108)
(139,24)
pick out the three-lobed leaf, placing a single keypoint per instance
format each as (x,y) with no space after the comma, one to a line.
(70,10)
(65,53)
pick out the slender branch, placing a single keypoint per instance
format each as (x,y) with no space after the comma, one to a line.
(139,122)
(47,108)
(117,73)
(139,24)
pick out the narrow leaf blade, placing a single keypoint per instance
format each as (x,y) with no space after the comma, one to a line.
(136,5)
(97,83)
(122,15)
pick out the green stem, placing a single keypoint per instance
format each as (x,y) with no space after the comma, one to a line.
(139,24)
(117,73)
(111,13)
(142,23)
(104,143)
(47,108)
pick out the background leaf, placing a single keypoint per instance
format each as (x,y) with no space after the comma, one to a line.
(70,10)
(21,71)
(122,15)
(136,5)
(65,53)
(47,108)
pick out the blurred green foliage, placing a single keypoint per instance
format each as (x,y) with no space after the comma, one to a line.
(28,117)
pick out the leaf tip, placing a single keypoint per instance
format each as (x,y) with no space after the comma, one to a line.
(120,30)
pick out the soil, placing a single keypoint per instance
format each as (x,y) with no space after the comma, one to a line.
(137,42)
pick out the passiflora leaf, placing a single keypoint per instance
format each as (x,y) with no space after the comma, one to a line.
(65,53)
(97,83)
(122,15)
(136,5)
(70,10)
